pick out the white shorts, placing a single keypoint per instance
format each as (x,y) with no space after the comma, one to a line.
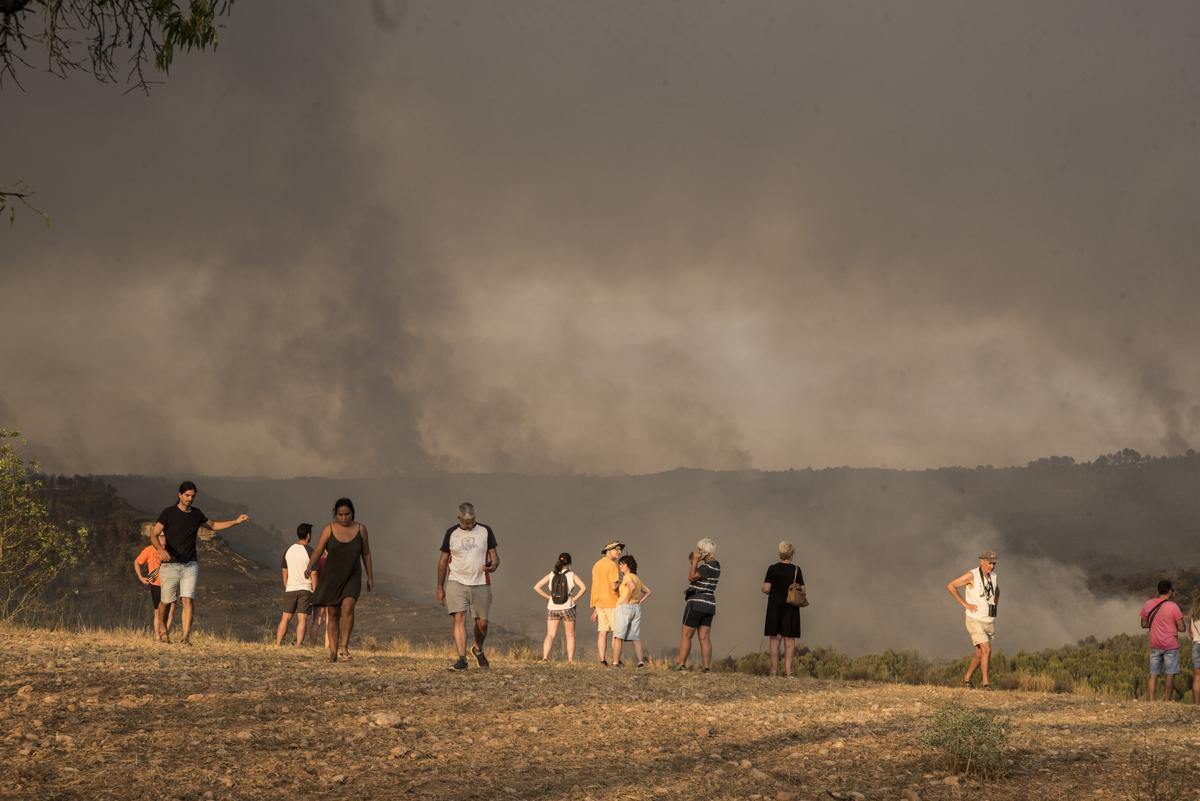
(178,580)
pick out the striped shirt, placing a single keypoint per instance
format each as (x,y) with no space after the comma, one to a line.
(703,591)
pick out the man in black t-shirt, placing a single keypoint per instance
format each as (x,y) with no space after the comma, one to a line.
(181,523)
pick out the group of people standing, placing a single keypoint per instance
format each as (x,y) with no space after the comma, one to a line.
(325,581)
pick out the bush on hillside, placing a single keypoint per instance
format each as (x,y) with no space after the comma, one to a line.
(968,740)
(33,550)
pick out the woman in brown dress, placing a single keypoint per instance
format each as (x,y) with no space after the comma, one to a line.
(344,541)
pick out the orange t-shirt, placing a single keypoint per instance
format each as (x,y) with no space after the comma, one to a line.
(151,558)
(604,575)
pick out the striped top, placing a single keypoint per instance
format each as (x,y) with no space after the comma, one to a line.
(703,591)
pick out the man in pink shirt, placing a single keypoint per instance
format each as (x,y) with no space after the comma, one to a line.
(1163,617)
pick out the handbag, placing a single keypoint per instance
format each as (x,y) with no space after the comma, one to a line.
(796,594)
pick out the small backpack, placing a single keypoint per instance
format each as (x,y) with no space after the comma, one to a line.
(559,591)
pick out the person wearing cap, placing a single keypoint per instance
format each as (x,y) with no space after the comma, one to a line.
(606,577)
(980,597)
(465,568)
(297,590)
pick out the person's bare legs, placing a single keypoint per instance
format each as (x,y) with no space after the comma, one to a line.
(617,643)
(976,656)
(789,650)
(460,633)
(188,612)
(985,658)
(685,645)
(637,649)
(706,646)
(301,628)
(1196,685)
(157,622)
(160,615)
(480,633)
(347,628)
(548,643)
(170,619)
(569,634)
(602,644)
(774,656)
(281,629)
(333,620)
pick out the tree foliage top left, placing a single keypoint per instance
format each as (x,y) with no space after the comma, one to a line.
(113,40)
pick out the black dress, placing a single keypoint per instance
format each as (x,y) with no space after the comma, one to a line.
(342,576)
(783,620)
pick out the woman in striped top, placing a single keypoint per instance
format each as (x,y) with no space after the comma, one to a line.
(700,605)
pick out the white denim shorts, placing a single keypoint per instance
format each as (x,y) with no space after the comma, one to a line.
(178,580)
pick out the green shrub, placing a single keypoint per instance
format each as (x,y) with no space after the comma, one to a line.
(968,740)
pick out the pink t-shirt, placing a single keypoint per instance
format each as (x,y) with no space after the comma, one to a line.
(1163,627)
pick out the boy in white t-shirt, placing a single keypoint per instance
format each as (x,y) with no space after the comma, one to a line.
(561,588)
(297,590)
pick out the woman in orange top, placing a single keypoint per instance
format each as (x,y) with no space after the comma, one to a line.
(152,559)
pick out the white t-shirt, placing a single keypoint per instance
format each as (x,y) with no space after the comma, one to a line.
(468,554)
(977,593)
(570,604)
(296,562)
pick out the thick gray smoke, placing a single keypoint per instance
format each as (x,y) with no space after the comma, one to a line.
(616,237)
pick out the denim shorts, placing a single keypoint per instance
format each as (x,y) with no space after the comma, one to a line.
(1164,661)
(1196,656)
(628,623)
(178,580)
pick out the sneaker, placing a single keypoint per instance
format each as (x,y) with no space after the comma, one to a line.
(479,657)
(604,662)
(618,664)
(459,664)
(703,670)
(681,668)
(641,664)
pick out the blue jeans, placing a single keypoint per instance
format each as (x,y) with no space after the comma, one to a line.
(1164,661)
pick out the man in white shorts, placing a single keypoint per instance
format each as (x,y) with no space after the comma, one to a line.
(605,579)
(464,580)
(980,599)
(180,569)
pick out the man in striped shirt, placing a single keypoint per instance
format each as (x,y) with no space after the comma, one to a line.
(701,604)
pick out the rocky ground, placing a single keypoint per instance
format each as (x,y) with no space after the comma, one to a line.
(113,716)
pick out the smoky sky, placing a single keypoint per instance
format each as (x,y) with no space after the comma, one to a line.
(607,238)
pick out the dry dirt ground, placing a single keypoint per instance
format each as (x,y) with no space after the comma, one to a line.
(113,716)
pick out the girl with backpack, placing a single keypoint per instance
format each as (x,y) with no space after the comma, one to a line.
(561,588)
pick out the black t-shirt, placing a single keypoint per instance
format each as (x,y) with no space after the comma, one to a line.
(181,528)
(780,576)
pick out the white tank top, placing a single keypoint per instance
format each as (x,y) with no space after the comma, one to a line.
(977,593)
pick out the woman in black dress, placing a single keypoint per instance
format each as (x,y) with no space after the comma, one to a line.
(339,583)
(783,620)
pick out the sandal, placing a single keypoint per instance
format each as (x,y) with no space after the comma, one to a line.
(967,683)
(985,686)
(345,656)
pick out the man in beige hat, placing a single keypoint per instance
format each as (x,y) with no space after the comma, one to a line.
(605,580)
(979,598)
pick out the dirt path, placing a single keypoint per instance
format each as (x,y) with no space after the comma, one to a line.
(106,716)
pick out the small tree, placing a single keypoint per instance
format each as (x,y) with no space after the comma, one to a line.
(33,550)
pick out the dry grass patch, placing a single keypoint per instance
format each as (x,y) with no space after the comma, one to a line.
(113,716)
